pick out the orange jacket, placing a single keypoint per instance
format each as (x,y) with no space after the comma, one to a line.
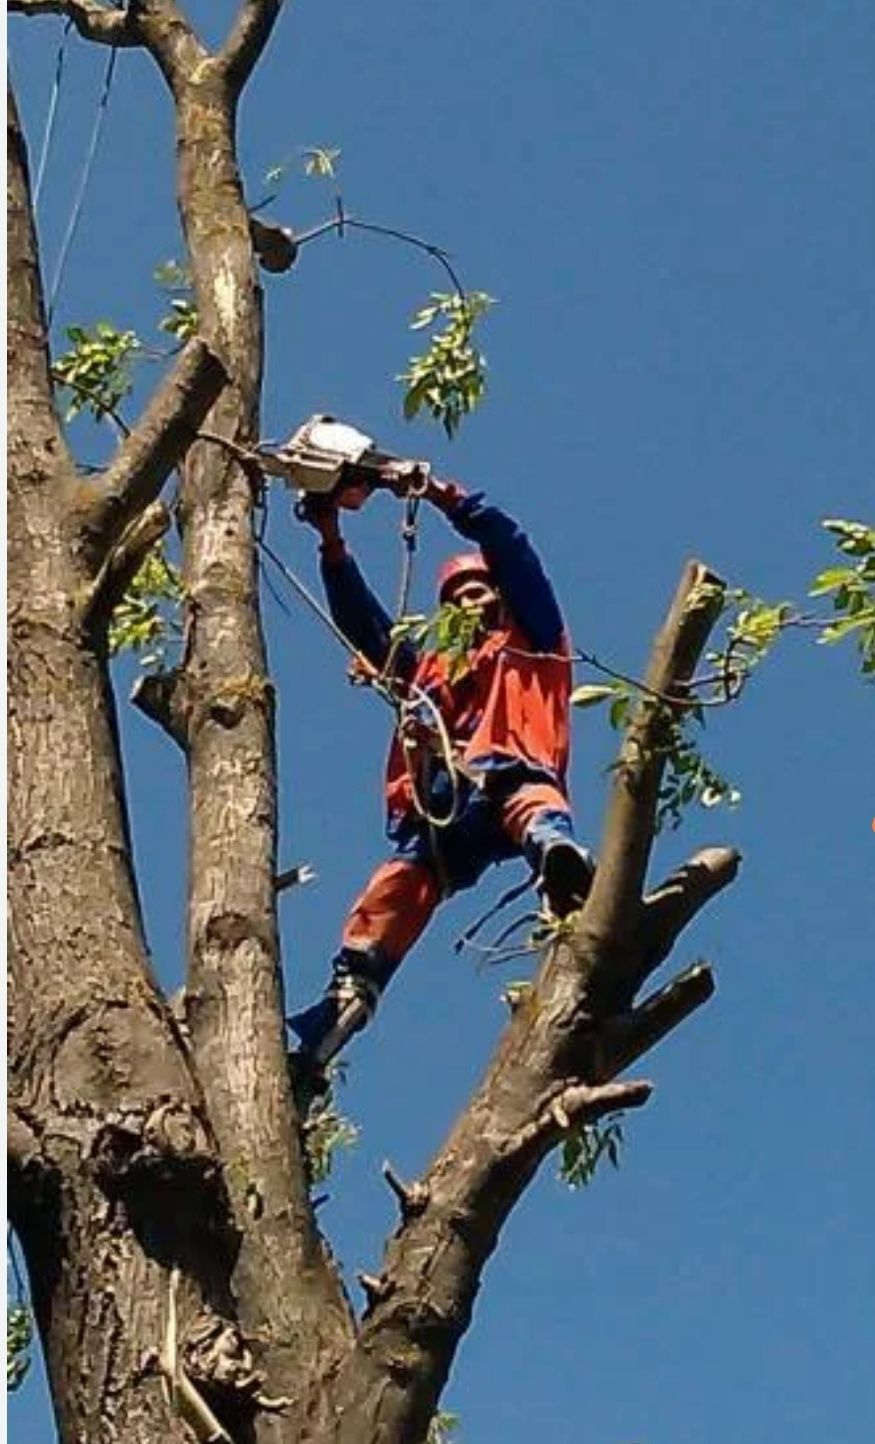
(510,704)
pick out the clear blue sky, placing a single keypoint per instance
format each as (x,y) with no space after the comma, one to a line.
(673,204)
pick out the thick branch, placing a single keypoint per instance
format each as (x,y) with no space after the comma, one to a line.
(289,1295)
(125,560)
(671,906)
(107,25)
(156,445)
(36,444)
(249,35)
(624,1039)
(160,26)
(628,834)
(554,1068)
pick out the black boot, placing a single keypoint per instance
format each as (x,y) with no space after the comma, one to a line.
(358,978)
(565,869)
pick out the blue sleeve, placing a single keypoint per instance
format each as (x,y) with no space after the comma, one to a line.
(360,615)
(516,567)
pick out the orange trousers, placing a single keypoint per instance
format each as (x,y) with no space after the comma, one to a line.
(398,902)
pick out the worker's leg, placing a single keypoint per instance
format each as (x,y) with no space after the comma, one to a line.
(380,929)
(537,817)
(394,908)
(393,911)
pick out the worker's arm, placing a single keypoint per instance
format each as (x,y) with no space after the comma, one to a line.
(512,560)
(359,614)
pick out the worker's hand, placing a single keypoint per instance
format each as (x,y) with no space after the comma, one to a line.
(353,496)
(320,511)
(405,477)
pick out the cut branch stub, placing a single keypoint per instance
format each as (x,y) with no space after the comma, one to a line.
(163,698)
(574,1105)
(275,245)
(628,1036)
(671,906)
(412,1197)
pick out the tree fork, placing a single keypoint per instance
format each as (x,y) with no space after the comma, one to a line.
(559,1045)
(257,1295)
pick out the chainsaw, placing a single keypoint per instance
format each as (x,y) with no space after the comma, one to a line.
(332,459)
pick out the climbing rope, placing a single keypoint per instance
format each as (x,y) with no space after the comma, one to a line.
(49,129)
(409,723)
(408,704)
(79,201)
(416,491)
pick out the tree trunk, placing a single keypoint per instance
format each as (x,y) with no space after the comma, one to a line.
(105,1105)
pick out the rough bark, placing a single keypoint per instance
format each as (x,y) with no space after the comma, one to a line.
(159,1182)
(567,1037)
(234,1000)
(97,1071)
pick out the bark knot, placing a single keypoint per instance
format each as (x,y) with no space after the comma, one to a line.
(168,1141)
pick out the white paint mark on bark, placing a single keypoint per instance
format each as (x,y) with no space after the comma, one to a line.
(225,294)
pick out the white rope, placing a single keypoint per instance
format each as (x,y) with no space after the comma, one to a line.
(445,751)
(49,128)
(73,223)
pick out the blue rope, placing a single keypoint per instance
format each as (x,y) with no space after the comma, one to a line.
(76,212)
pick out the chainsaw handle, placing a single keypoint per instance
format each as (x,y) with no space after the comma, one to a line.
(405,478)
(319,511)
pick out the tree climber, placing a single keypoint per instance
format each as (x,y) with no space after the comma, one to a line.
(495,789)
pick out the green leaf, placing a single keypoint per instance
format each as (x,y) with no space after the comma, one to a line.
(619,712)
(96,371)
(834,631)
(326,1130)
(320,161)
(449,379)
(182,322)
(584,1147)
(442,1427)
(19,1336)
(828,580)
(591,695)
(855,537)
(147,615)
(172,275)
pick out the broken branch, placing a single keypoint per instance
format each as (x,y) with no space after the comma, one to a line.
(575,1104)
(412,1197)
(294,877)
(160,696)
(125,560)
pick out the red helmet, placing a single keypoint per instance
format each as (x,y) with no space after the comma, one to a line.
(469,564)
